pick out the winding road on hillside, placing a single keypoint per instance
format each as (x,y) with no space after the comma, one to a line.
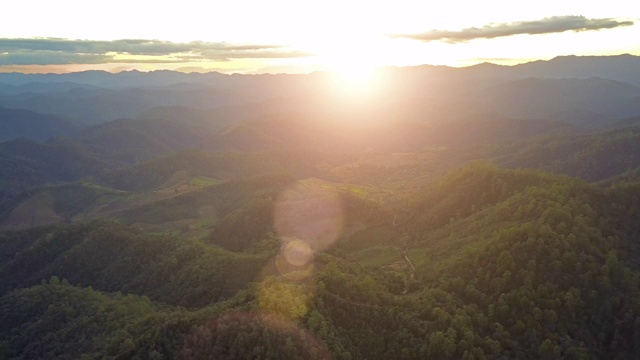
(413,268)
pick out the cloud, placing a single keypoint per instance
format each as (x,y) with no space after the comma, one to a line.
(49,51)
(555,24)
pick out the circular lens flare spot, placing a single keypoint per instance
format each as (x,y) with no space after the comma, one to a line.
(311,213)
(297,252)
(295,269)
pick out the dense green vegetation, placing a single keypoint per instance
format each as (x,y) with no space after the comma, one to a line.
(591,157)
(26,163)
(291,223)
(57,320)
(114,258)
(508,263)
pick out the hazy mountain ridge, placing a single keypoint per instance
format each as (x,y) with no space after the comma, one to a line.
(98,105)
(617,67)
(102,96)
(556,99)
(16,123)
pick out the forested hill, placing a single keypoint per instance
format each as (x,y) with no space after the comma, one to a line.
(592,157)
(515,264)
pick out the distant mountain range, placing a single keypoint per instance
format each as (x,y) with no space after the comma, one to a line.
(576,89)
(59,128)
(619,67)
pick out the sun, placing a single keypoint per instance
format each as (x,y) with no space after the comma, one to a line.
(355,79)
(357,75)
(355,61)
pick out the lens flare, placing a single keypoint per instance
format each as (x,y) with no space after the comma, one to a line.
(289,299)
(310,213)
(289,270)
(308,218)
(297,252)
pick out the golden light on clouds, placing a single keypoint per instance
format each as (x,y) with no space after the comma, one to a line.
(349,37)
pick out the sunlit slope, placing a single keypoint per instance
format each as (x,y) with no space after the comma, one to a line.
(321,123)
(196,211)
(390,176)
(128,142)
(178,193)
(222,166)
(387,122)
(54,204)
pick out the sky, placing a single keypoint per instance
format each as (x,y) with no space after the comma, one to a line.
(285,36)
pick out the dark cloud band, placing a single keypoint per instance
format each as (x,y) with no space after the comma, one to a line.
(48,51)
(555,24)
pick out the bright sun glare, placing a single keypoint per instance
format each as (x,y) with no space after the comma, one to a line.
(355,79)
(357,76)
(354,68)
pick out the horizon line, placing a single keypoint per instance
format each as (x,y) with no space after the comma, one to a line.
(471,63)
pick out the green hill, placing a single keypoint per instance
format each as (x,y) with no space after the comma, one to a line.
(52,204)
(112,258)
(57,320)
(25,164)
(592,157)
(504,264)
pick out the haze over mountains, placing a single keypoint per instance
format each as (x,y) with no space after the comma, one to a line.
(477,213)
(92,97)
(131,117)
